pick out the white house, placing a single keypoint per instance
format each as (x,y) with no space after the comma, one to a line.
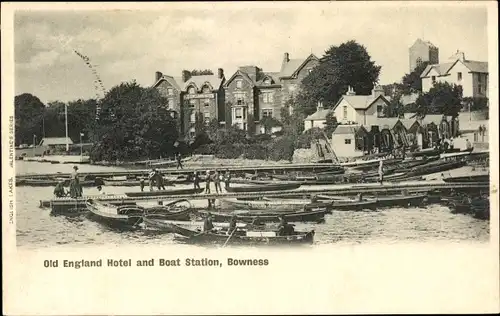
(471,75)
(361,109)
(348,140)
(317,119)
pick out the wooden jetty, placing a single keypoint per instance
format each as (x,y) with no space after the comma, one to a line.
(275,169)
(62,204)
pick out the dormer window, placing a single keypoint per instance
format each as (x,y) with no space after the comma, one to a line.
(267,81)
(170,91)
(191,90)
(206,89)
(239,84)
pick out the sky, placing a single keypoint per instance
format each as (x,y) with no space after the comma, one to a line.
(127,45)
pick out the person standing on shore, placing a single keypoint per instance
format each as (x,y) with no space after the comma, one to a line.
(75,189)
(160,182)
(227,179)
(381,171)
(207,182)
(142,184)
(152,178)
(179,159)
(196,180)
(217,182)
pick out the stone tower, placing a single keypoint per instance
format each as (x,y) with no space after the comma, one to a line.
(422,51)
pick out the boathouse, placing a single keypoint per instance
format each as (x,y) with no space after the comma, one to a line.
(350,140)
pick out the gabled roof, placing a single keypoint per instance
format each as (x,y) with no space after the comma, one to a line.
(444,68)
(420,41)
(293,66)
(347,129)
(169,79)
(55,141)
(239,73)
(273,75)
(361,102)
(318,115)
(407,123)
(213,81)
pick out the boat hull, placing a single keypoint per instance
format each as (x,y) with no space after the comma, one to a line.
(265,187)
(164,192)
(266,217)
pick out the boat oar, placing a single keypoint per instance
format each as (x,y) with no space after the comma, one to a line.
(227,240)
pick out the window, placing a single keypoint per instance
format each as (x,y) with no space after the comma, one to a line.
(380,110)
(244,126)
(206,116)
(206,102)
(238,113)
(206,89)
(267,112)
(192,102)
(240,98)
(192,117)
(239,84)
(191,90)
(419,61)
(459,76)
(433,79)
(347,141)
(345,112)
(268,97)
(170,91)
(173,114)
(170,104)
(267,81)
(192,132)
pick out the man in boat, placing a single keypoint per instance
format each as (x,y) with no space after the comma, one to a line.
(285,229)
(142,184)
(232,225)
(75,189)
(179,159)
(381,171)
(59,189)
(99,188)
(451,144)
(160,182)
(207,224)
(196,180)
(227,179)
(152,178)
(468,145)
(360,197)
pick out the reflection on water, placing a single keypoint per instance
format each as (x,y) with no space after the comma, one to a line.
(37,228)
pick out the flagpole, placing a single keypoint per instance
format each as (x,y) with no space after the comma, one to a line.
(66,119)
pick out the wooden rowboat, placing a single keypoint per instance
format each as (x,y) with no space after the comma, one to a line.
(265,187)
(387,201)
(471,178)
(180,227)
(268,217)
(164,192)
(120,217)
(246,237)
(270,204)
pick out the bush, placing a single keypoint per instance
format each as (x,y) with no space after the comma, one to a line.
(256,151)
(229,151)
(282,149)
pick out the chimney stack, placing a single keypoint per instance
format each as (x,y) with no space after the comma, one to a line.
(220,73)
(286,58)
(158,76)
(320,106)
(350,91)
(377,90)
(186,75)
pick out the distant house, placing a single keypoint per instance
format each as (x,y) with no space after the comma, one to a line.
(361,109)
(471,75)
(423,51)
(169,88)
(350,140)
(292,72)
(317,119)
(53,142)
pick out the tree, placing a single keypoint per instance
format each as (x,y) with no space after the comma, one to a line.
(199,72)
(348,64)
(268,122)
(331,123)
(443,98)
(134,124)
(28,115)
(412,82)
(395,108)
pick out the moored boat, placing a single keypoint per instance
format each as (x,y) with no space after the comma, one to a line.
(164,192)
(471,178)
(265,187)
(268,217)
(123,217)
(387,201)
(271,204)
(181,227)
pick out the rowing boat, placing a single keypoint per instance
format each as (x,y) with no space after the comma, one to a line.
(270,204)
(387,201)
(471,178)
(265,187)
(180,227)
(246,237)
(164,192)
(317,215)
(123,216)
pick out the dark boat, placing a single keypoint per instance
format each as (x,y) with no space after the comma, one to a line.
(183,228)
(246,237)
(164,192)
(272,204)
(270,217)
(426,152)
(120,217)
(401,200)
(54,182)
(345,204)
(265,187)
(472,178)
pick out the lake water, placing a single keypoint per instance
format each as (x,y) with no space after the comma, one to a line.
(36,228)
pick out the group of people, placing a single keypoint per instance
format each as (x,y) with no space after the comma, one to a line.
(155,179)
(284,228)
(75,187)
(216,178)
